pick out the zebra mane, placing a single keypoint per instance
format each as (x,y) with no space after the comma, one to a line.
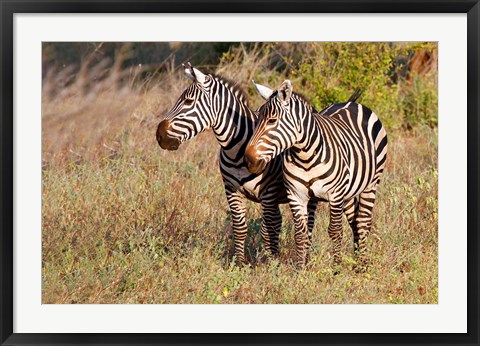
(234,87)
(301,97)
(305,100)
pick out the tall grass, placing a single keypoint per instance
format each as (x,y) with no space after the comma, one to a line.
(126,222)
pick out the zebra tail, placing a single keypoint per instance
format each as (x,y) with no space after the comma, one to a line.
(356,94)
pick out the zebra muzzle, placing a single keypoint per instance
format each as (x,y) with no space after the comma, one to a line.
(254,163)
(164,140)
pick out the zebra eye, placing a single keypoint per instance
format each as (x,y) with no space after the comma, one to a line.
(188,102)
(272,121)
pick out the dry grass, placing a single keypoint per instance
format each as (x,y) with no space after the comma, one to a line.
(126,222)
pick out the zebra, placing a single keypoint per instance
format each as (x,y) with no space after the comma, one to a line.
(337,155)
(217,103)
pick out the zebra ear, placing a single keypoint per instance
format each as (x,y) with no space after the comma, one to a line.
(265,92)
(194,74)
(189,71)
(285,92)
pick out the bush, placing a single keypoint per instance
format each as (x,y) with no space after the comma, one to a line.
(334,70)
(329,72)
(419,101)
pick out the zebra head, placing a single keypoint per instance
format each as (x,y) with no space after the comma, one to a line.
(190,115)
(279,127)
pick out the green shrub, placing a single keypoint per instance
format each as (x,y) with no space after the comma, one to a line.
(334,70)
(420,101)
(329,72)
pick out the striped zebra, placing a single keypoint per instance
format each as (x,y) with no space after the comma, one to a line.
(337,155)
(217,103)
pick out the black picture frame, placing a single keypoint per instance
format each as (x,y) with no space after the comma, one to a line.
(9,7)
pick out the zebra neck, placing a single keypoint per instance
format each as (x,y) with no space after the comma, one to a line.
(311,142)
(233,129)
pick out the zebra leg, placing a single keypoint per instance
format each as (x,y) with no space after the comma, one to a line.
(311,208)
(351,212)
(363,223)
(335,229)
(300,219)
(271,226)
(237,207)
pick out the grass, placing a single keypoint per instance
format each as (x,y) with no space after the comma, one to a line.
(126,222)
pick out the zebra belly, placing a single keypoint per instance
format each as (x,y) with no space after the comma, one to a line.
(304,185)
(360,181)
(319,190)
(251,189)
(236,179)
(267,186)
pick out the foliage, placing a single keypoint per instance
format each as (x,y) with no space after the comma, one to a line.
(419,102)
(329,72)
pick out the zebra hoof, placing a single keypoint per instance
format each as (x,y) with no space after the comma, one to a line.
(240,262)
(337,265)
(300,266)
(360,268)
(271,257)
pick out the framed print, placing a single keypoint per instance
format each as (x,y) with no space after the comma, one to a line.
(179,172)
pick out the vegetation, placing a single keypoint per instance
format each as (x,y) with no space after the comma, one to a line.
(126,222)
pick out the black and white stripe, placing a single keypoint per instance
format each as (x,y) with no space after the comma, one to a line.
(214,102)
(337,155)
